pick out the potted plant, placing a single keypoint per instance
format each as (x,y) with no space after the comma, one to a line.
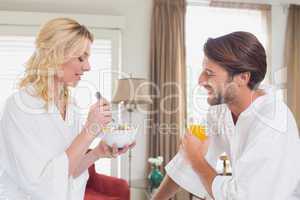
(155,177)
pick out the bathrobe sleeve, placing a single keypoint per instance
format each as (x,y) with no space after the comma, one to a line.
(181,172)
(38,168)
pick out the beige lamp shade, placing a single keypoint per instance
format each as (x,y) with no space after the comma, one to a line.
(132,91)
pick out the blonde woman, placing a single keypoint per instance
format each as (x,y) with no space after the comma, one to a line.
(43,147)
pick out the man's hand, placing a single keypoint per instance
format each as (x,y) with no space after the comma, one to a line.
(194,149)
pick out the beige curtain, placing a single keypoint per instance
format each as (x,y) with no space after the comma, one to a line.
(267,19)
(168,73)
(292,61)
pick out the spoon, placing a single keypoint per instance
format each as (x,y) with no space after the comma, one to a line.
(99,96)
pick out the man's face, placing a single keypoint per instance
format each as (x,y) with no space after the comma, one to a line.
(216,80)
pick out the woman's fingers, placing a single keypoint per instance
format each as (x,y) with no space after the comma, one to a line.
(104,108)
(132,145)
(106,150)
(123,150)
(114,152)
(126,148)
(107,114)
(102,102)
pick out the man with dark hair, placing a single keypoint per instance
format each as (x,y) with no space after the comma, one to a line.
(255,129)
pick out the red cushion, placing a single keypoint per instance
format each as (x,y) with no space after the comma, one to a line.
(93,195)
(108,185)
(102,187)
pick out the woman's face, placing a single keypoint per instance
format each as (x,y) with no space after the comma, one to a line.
(74,68)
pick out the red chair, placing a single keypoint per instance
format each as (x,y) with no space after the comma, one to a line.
(102,187)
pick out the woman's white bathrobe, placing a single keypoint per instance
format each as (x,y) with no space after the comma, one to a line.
(33,162)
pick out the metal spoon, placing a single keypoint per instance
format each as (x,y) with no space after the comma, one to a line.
(99,96)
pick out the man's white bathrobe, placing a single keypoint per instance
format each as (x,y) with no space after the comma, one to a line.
(33,162)
(263,147)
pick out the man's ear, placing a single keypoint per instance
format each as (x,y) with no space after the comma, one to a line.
(243,79)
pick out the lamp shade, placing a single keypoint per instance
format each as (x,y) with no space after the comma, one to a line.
(132,91)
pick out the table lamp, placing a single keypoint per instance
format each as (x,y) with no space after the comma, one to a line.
(131,92)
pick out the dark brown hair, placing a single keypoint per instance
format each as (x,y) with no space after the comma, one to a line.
(239,52)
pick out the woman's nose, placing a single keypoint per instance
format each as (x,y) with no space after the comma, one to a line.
(87,66)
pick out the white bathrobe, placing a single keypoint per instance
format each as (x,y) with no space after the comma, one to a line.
(263,147)
(33,162)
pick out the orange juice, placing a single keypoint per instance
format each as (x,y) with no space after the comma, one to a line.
(198,131)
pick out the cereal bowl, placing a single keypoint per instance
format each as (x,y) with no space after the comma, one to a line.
(120,137)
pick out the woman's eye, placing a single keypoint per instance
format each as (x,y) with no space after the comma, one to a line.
(80,59)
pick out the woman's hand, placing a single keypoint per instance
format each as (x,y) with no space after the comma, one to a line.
(104,151)
(194,149)
(99,117)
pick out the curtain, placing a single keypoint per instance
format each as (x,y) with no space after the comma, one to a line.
(168,73)
(292,61)
(267,19)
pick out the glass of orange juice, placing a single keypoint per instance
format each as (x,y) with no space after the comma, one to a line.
(198,131)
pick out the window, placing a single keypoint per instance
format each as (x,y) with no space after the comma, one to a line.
(14,52)
(104,60)
(203,22)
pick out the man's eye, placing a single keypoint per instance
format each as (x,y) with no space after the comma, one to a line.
(80,59)
(209,74)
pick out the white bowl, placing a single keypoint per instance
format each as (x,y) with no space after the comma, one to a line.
(120,137)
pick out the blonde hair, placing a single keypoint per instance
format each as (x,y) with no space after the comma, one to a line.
(57,41)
